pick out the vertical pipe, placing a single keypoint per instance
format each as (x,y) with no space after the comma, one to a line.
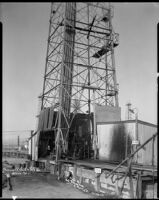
(94,122)
(66,76)
(31,134)
(106,62)
(128,114)
(136,134)
(136,127)
(106,82)
(89,98)
(113,57)
(153,164)
(18,143)
(126,146)
(61,90)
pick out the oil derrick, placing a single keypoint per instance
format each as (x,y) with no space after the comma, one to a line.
(80,64)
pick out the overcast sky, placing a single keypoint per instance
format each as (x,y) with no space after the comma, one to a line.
(25,32)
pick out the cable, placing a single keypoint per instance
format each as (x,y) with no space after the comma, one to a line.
(17,131)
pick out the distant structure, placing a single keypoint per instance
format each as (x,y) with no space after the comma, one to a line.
(131,111)
(128,112)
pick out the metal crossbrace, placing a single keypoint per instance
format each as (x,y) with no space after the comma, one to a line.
(126,174)
(129,171)
(80,13)
(74,37)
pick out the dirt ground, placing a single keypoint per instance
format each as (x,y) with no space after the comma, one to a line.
(14,160)
(42,186)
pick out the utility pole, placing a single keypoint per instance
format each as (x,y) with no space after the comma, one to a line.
(18,143)
(128,110)
(31,139)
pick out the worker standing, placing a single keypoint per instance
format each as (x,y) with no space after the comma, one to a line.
(9,180)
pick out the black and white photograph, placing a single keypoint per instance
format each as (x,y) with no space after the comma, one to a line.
(79,100)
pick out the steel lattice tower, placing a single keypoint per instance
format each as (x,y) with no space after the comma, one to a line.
(80,64)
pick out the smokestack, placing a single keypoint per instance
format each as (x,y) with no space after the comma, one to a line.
(18,143)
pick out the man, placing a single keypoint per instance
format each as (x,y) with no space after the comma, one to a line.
(4,180)
(9,180)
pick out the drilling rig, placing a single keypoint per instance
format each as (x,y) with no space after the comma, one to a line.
(80,117)
(79,74)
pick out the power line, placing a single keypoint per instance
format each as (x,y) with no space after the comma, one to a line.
(18,131)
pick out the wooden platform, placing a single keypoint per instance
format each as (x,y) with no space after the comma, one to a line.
(103,165)
(141,182)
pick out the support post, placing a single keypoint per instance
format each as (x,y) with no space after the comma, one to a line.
(75,172)
(139,187)
(59,170)
(18,143)
(31,134)
(97,182)
(80,181)
(131,180)
(126,159)
(153,141)
(94,122)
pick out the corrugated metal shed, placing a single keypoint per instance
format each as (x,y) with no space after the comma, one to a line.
(145,131)
(115,139)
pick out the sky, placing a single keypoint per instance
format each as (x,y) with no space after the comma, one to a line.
(25,33)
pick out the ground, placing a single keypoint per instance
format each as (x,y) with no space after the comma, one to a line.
(42,186)
(14,160)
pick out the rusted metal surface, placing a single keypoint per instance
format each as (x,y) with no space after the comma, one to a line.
(133,153)
(115,141)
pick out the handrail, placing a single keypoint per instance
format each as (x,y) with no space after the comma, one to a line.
(131,155)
